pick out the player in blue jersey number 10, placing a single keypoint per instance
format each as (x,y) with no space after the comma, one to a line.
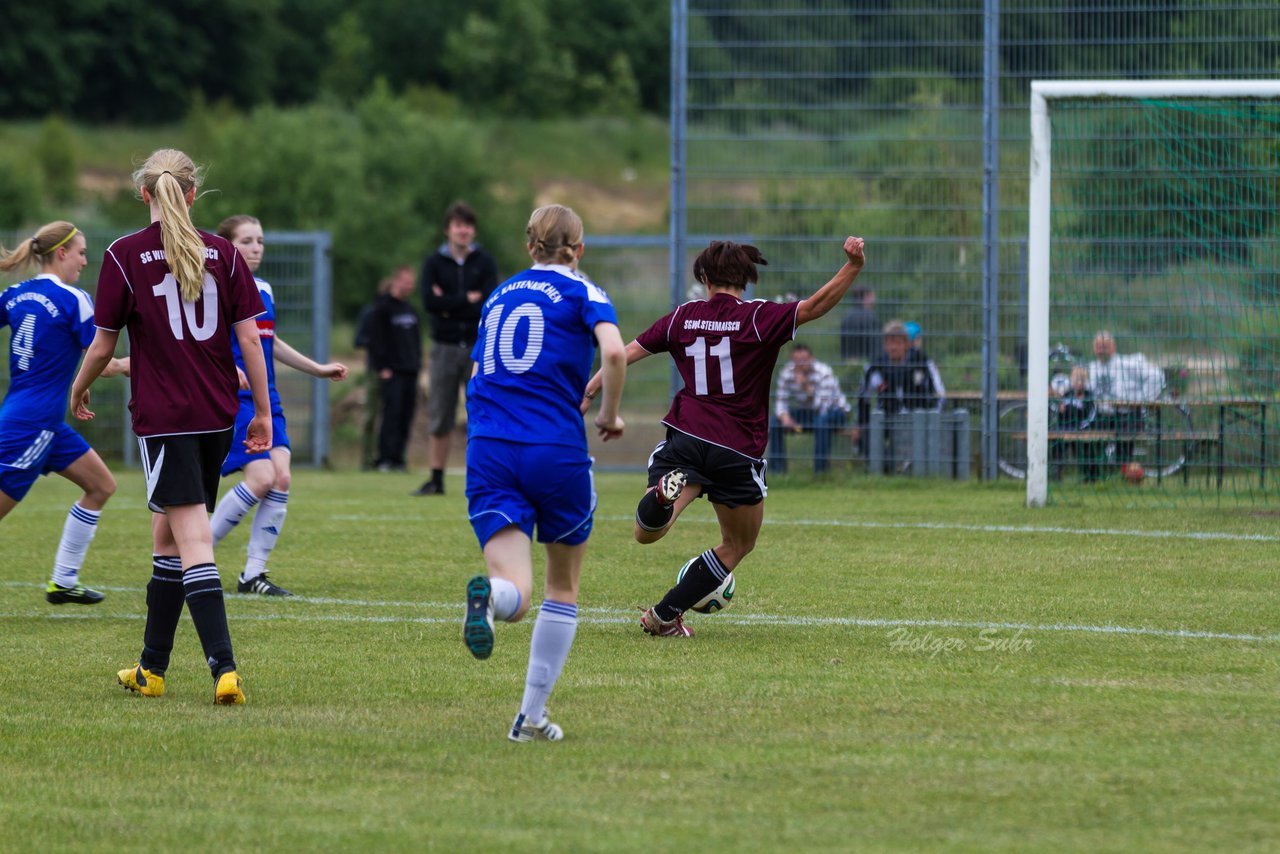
(51,324)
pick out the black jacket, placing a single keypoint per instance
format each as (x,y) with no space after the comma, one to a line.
(395,339)
(454,320)
(913,383)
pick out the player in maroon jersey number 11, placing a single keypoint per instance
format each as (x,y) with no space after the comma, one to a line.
(725,349)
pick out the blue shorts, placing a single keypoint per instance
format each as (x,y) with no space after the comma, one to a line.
(28,451)
(238,458)
(509,483)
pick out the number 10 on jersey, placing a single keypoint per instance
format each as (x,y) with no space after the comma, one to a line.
(500,337)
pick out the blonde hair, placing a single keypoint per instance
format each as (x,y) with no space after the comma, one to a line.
(168,175)
(38,250)
(554,234)
(229,226)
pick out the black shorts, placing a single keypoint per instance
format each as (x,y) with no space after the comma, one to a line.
(183,469)
(727,477)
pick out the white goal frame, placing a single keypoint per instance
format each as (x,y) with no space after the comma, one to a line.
(1042,93)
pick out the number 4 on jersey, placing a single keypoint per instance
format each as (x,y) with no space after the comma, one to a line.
(24,342)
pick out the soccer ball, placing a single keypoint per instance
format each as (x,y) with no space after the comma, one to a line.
(1133,472)
(716,600)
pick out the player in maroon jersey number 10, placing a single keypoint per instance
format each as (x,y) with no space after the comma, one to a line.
(725,348)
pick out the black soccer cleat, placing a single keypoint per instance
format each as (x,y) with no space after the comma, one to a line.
(79,595)
(262,586)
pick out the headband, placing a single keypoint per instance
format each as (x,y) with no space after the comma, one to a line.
(74,231)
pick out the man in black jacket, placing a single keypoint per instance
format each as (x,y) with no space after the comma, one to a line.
(395,356)
(901,379)
(456,280)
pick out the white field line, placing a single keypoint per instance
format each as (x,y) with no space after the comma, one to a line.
(922,526)
(999,529)
(607,616)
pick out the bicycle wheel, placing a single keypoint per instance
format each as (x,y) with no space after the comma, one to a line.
(1011,441)
(1164,446)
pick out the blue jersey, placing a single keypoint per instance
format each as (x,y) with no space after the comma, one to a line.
(51,324)
(534,354)
(267,333)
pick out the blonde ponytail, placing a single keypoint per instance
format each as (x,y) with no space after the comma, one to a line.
(554,234)
(36,251)
(168,175)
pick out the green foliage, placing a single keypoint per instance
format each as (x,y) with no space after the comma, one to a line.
(57,156)
(346,74)
(377,178)
(21,192)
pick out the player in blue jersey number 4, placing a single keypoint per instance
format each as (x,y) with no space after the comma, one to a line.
(51,324)
(527,461)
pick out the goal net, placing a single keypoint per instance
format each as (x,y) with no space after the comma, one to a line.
(1153,350)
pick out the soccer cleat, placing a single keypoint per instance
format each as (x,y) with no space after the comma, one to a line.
(139,680)
(429,488)
(261,585)
(653,625)
(544,730)
(670,485)
(477,628)
(228,691)
(57,595)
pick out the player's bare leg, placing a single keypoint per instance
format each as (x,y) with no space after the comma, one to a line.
(503,593)
(91,474)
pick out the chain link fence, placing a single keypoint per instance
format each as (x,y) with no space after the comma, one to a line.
(796,122)
(297,266)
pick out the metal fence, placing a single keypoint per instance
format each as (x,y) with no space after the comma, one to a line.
(297,265)
(796,122)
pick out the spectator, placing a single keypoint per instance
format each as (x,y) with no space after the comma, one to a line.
(395,355)
(809,398)
(901,379)
(859,328)
(1075,411)
(1120,385)
(456,280)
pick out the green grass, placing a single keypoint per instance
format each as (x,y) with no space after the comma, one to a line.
(809,717)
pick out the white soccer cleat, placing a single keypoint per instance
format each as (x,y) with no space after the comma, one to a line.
(670,485)
(544,730)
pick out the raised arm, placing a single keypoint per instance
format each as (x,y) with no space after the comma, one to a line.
(291,358)
(829,295)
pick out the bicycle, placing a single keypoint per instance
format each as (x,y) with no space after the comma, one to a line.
(1161,449)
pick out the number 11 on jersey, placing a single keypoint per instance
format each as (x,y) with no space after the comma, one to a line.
(698,351)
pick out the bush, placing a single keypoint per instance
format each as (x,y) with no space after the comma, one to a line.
(378,178)
(21,193)
(57,156)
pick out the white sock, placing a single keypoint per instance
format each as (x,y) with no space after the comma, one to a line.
(505,597)
(267,523)
(553,633)
(77,533)
(233,507)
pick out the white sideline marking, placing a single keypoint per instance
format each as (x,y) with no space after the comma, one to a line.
(611,616)
(996,529)
(928,526)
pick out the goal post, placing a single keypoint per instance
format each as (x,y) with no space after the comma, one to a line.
(1044,95)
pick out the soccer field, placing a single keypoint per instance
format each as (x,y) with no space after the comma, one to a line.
(906,666)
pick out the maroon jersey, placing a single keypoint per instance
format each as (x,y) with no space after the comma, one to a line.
(183,376)
(725,349)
